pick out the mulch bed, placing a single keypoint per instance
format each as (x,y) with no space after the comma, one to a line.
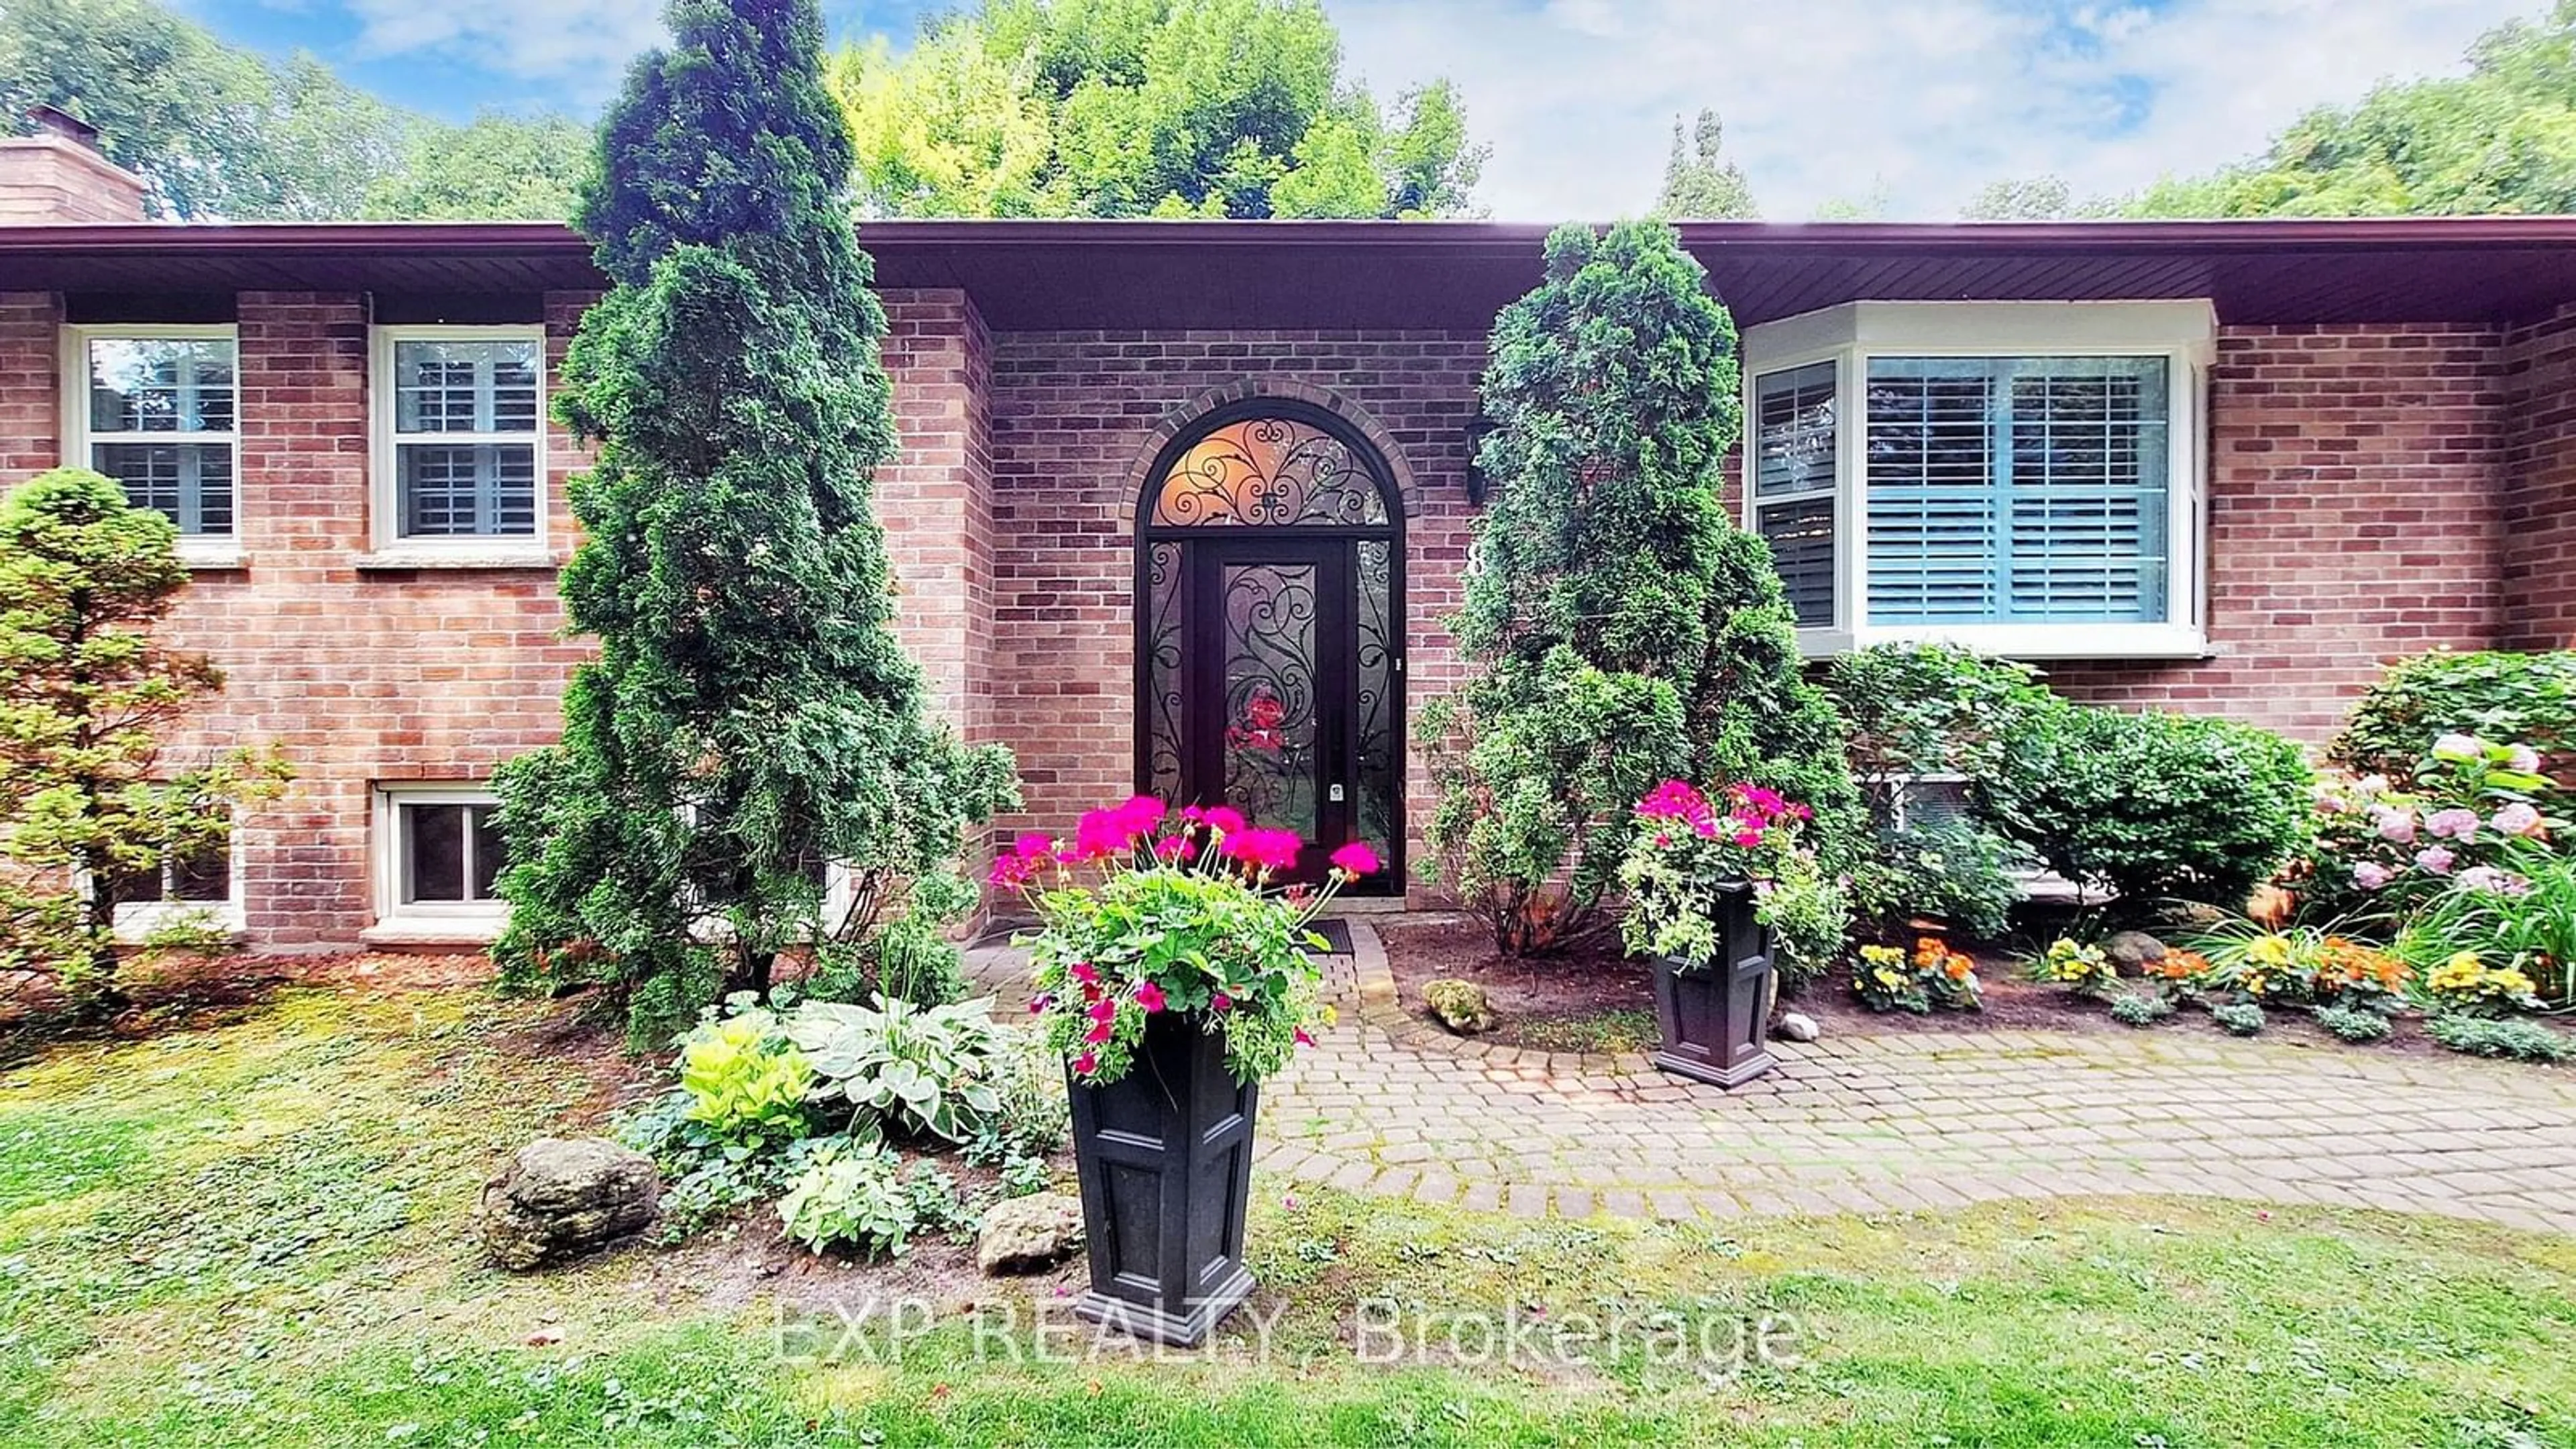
(1537,997)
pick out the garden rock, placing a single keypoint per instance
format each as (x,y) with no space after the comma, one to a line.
(2133,951)
(1460,1005)
(1796,1026)
(1026,1234)
(562,1197)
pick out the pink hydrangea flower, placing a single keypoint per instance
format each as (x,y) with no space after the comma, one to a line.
(2524,760)
(2499,882)
(2454,824)
(2436,859)
(2328,799)
(2458,748)
(1150,996)
(2395,825)
(2517,819)
(1356,858)
(2370,875)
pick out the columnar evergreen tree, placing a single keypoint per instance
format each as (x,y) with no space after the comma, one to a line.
(1702,184)
(1621,629)
(750,716)
(87,797)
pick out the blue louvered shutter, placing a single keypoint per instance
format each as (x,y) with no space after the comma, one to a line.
(2017,490)
(1793,484)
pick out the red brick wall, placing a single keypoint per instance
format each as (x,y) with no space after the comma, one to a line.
(2540,484)
(2355,516)
(937,501)
(1074,419)
(30,407)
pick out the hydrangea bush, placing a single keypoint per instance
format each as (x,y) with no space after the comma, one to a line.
(1687,858)
(1146,911)
(2382,849)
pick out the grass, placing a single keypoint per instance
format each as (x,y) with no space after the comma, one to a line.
(254,1233)
(1618,1029)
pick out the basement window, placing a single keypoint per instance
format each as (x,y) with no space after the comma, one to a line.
(440,859)
(157,409)
(196,887)
(2022,478)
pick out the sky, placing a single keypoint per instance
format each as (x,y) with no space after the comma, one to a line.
(1907,106)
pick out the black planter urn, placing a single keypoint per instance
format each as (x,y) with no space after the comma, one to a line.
(1714,1019)
(1165,1158)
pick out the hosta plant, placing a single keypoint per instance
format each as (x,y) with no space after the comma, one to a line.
(910,1069)
(745,1080)
(1147,910)
(1692,849)
(851,1194)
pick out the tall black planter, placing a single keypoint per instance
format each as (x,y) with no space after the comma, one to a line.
(1713,1019)
(1165,1158)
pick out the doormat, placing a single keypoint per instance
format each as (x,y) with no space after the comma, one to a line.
(1336,934)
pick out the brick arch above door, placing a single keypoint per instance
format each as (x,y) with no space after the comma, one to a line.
(1190,414)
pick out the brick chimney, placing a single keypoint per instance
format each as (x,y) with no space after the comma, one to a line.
(59,177)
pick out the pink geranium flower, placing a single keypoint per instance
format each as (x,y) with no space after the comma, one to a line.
(1039,1003)
(1356,858)
(1171,847)
(1149,996)
(2498,882)
(1224,820)
(1221,1003)
(1264,850)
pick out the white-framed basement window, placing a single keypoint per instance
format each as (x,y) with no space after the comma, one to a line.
(438,858)
(157,408)
(460,445)
(202,887)
(2019,477)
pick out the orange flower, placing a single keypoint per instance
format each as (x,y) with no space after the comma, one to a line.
(1929,952)
(1958,967)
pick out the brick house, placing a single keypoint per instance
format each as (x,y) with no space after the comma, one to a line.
(1182,505)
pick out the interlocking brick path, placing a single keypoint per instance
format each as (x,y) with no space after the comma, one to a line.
(1895,1122)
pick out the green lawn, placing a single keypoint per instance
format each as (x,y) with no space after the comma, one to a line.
(253,1233)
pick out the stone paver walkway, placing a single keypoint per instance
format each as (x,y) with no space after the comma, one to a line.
(1907,1121)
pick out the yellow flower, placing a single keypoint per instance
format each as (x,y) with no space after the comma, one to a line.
(1886,977)
(2269,950)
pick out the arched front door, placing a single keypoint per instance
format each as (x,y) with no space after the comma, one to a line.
(1270,630)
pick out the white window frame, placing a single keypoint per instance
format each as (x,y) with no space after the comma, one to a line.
(200,550)
(2183,333)
(385,496)
(136,921)
(447,920)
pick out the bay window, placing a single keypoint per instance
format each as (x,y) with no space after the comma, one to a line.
(2016,477)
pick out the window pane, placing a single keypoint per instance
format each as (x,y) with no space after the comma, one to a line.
(488,857)
(191,482)
(204,876)
(1801,535)
(465,387)
(1794,431)
(433,840)
(454,490)
(136,887)
(2006,490)
(161,385)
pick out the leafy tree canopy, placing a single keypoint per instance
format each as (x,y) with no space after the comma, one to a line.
(222,132)
(2500,139)
(1702,184)
(1209,108)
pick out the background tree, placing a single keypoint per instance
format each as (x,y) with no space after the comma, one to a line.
(1703,184)
(221,132)
(750,715)
(86,692)
(2031,198)
(1619,629)
(1144,108)
(2501,138)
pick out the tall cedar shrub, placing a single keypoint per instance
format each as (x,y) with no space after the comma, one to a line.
(89,795)
(750,714)
(1620,630)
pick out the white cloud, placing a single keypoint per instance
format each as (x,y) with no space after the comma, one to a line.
(580,46)
(1929,99)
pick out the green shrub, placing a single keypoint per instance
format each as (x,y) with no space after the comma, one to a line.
(2351,1023)
(2140,1010)
(2479,1036)
(2238,1018)
(2150,807)
(1618,629)
(1927,709)
(1954,869)
(911,959)
(851,1195)
(2530,698)
(907,1068)
(746,1083)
